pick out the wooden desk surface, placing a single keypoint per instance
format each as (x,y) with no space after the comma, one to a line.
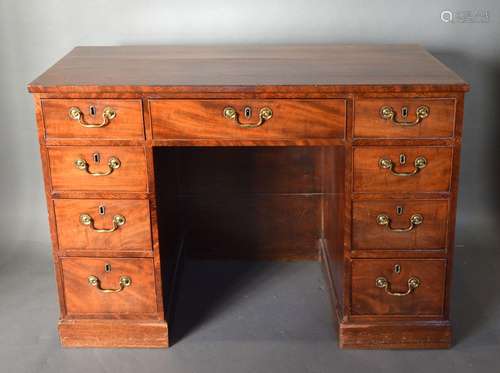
(332,68)
(345,154)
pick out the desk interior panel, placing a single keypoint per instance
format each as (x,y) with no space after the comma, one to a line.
(249,203)
(334,215)
(261,170)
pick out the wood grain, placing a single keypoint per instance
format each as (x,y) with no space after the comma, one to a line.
(284,227)
(370,177)
(253,203)
(84,299)
(250,68)
(384,332)
(309,182)
(126,125)
(135,234)
(402,335)
(131,176)
(431,234)
(426,300)
(203,119)
(253,170)
(334,219)
(113,333)
(439,123)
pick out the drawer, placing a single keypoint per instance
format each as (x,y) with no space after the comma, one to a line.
(399,224)
(406,287)
(248,119)
(402,169)
(109,285)
(103,224)
(87,118)
(98,168)
(404,118)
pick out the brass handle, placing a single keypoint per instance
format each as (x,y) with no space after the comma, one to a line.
(113,164)
(382,283)
(420,163)
(264,114)
(118,221)
(388,113)
(125,281)
(415,220)
(107,115)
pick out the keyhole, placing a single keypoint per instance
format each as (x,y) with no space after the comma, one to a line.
(102,210)
(402,159)
(107,267)
(404,111)
(92,110)
(96,157)
(399,210)
(247,112)
(397,269)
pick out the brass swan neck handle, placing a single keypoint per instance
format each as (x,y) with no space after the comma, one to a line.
(415,220)
(125,281)
(108,114)
(118,221)
(388,113)
(413,283)
(387,164)
(113,164)
(264,114)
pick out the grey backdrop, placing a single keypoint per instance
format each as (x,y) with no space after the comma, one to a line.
(222,328)
(35,34)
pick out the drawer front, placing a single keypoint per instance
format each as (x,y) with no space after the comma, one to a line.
(404,169)
(130,284)
(86,118)
(399,224)
(103,224)
(118,169)
(385,118)
(250,119)
(376,285)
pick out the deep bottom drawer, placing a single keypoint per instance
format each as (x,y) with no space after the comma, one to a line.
(109,285)
(406,287)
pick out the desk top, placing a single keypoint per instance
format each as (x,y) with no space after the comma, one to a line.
(328,68)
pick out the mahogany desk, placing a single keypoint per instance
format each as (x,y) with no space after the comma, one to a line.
(344,154)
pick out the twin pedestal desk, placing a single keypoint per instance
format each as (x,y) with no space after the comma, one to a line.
(344,154)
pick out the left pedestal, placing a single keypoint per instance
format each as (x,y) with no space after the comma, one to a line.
(99,182)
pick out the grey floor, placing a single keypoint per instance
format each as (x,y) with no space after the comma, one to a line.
(247,317)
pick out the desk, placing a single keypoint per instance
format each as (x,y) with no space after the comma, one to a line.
(344,154)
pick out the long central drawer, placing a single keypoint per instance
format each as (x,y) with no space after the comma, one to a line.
(248,119)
